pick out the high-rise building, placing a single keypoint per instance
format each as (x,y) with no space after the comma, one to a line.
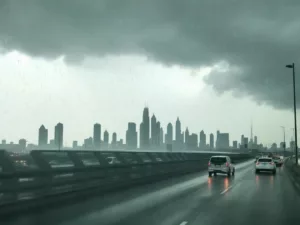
(217,140)
(186,138)
(75,144)
(58,135)
(193,142)
(161,137)
(242,142)
(106,137)
(88,143)
(145,130)
(114,138)
(234,144)
(43,136)
(178,131)
(97,136)
(223,141)
(131,136)
(158,134)
(141,135)
(202,144)
(154,131)
(22,143)
(246,142)
(169,134)
(255,140)
(211,141)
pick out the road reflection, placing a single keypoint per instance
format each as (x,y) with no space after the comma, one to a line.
(226,183)
(257,180)
(209,183)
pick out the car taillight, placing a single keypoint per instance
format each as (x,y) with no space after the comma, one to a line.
(227,164)
(257,163)
(208,163)
(272,163)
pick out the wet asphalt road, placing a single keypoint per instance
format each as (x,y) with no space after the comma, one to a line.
(194,199)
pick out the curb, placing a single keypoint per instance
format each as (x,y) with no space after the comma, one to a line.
(293,175)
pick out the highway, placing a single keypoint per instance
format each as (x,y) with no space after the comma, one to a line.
(193,199)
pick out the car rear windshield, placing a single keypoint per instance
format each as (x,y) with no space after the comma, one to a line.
(265,160)
(218,160)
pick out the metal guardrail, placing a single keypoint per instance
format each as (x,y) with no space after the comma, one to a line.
(43,174)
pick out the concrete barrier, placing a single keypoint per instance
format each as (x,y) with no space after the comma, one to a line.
(45,177)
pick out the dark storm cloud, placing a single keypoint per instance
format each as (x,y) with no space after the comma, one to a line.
(256,37)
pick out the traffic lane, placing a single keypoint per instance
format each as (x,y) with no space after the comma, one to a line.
(259,199)
(124,202)
(178,209)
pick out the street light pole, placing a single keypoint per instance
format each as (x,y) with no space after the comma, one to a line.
(283,128)
(295,111)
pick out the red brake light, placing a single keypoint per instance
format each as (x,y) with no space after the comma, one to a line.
(257,163)
(227,164)
(208,163)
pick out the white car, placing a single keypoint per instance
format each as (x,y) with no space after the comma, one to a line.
(278,160)
(265,164)
(221,164)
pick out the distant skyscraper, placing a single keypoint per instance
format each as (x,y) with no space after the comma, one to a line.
(246,142)
(145,131)
(88,143)
(211,141)
(141,135)
(161,137)
(22,143)
(43,136)
(186,138)
(242,142)
(58,135)
(178,131)
(106,137)
(202,144)
(223,141)
(97,136)
(169,135)
(154,131)
(255,140)
(131,136)
(75,144)
(217,139)
(234,144)
(158,134)
(114,138)
(193,142)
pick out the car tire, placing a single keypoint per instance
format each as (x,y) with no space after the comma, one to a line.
(233,172)
(229,173)
(215,174)
(256,171)
(274,171)
(209,174)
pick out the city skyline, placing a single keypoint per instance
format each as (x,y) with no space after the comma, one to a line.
(79,76)
(150,135)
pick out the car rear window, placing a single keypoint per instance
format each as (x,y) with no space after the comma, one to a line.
(218,160)
(265,160)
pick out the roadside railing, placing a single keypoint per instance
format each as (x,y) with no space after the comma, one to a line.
(46,174)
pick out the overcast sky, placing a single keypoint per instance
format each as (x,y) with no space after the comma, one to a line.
(216,64)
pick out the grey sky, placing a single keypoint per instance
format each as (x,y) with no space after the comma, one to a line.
(251,40)
(258,37)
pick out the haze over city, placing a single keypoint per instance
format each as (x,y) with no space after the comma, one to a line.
(177,67)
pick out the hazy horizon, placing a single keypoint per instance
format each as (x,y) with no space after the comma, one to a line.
(216,68)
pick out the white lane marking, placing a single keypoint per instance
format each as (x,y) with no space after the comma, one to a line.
(227,189)
(184,223)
